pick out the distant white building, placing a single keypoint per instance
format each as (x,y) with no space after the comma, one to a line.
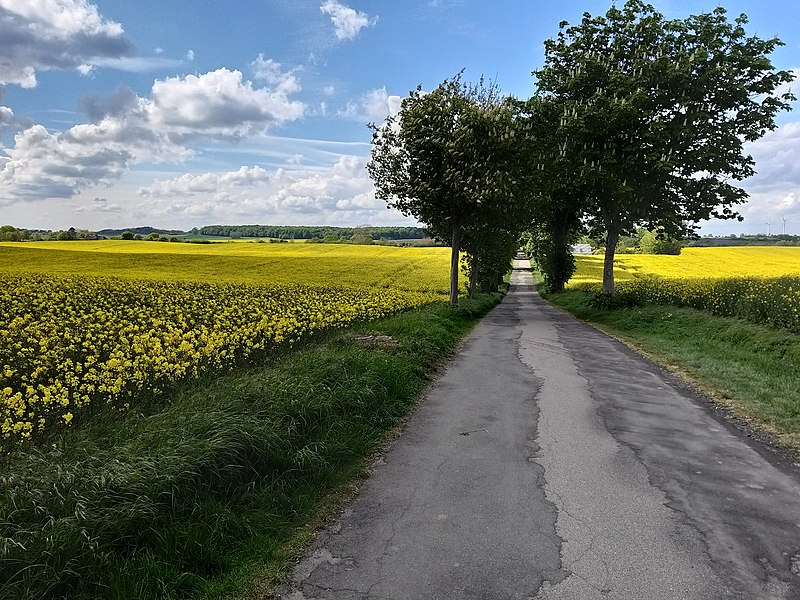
(581,249)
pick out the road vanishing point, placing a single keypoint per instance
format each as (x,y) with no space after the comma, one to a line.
(551,462)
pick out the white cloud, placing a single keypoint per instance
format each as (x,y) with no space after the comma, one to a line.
(777,158)
(271,72)
(189,184)
(775,189)
(375,105)
(219,103)
(126,129)
(190,55)
(54,34)
(339,193)
(347,23)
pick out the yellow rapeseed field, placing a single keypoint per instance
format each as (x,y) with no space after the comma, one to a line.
(73,338)
(694,263)
(757,283)
(240,262)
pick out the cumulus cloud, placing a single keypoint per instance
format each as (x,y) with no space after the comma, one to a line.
(54,34)
(775,189)
(126,129)
(341,192)
(271,72)
(190,184)
(777,158)
(120,102)
(375,105)
(347,22)
(219,103)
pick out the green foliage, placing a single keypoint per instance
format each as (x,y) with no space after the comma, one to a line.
(302,232)
(655,114)
(450,159)
(555,262)
(653,242)
(9,233)
(490,259)
(361,237)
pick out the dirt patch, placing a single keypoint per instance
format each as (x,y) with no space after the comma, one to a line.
(375,341)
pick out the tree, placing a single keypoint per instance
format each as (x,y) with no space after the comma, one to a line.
(447,159)
(655,113)
(9,233)
(655,242)
(558,199)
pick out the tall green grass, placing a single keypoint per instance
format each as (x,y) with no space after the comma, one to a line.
(206,495)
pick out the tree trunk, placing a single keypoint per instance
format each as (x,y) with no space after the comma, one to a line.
(454,264)
(612,237)
(560,251)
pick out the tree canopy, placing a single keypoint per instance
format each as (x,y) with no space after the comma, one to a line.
(655,114)
(450,159)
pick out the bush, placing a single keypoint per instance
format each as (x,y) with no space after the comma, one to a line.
(653,242)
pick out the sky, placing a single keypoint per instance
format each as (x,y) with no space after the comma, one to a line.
(183,113)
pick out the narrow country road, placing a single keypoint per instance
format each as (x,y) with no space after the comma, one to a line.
(550,462)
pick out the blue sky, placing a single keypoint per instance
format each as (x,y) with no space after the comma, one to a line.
(182,113)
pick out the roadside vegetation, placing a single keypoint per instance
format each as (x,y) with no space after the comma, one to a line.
(211,491)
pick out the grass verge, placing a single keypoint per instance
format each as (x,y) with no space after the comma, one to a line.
(211,495)
(753,370)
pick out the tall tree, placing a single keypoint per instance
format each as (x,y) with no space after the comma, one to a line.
(447,158)
(655,112)
(558,199)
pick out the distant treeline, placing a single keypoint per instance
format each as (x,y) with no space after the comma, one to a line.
(143,231)
(294,232)
(9,233)
(746,240)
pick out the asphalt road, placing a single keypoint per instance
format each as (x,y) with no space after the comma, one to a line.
(550,462)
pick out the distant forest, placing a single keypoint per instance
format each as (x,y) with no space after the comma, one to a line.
(295,232)
(747,240)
